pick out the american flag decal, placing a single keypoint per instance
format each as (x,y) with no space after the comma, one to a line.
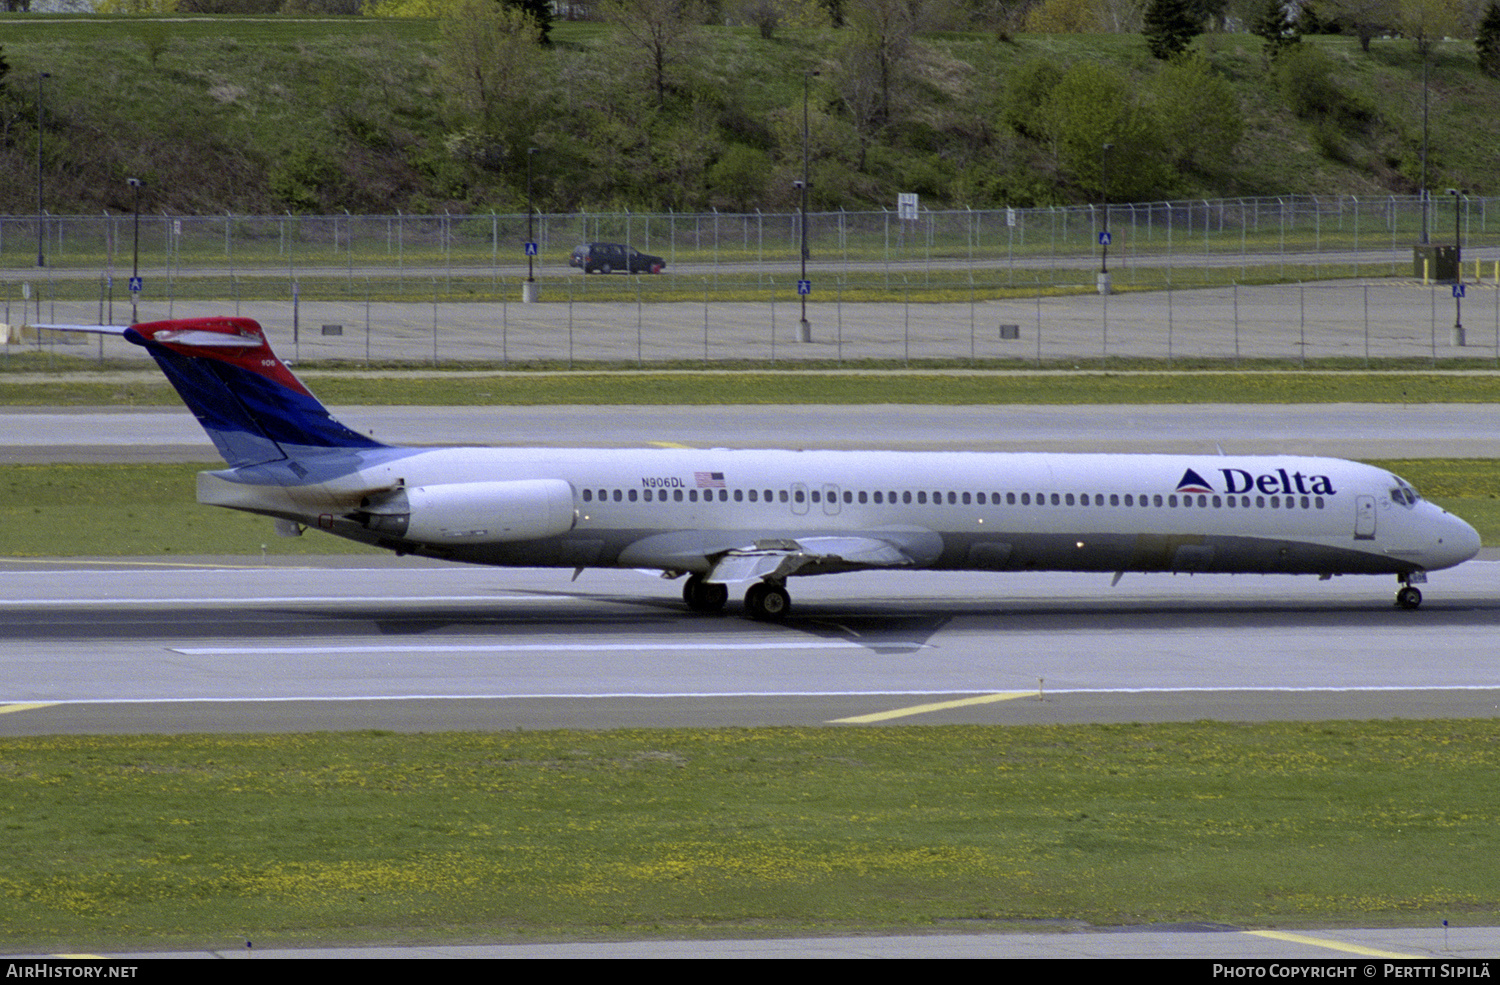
(709,480)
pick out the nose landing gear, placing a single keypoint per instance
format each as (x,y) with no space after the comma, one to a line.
(1408,596)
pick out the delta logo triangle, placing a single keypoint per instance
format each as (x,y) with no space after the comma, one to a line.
(1192,482)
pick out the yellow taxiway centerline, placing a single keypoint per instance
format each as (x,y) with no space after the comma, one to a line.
(1369,952)
(5,709)
(983,699)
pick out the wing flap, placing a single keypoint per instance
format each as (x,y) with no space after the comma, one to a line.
(780,559)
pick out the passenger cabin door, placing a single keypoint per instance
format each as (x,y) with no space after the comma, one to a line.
(799,498)
(831,500)
(1364,517)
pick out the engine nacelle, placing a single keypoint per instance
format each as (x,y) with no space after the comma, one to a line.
(471,512)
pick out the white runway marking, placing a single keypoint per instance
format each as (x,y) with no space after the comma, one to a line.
(286,600)
(980,693)
(716,645)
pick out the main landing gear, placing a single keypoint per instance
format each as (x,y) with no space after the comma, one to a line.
(701,596)
(767,601)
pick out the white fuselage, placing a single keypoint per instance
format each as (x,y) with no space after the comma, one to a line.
(680,509)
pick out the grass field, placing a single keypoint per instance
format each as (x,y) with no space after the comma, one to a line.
(36,379)
(202,841)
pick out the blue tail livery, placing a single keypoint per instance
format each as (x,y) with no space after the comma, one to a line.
(253,408)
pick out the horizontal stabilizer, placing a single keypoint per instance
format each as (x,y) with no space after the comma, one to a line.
(18,334)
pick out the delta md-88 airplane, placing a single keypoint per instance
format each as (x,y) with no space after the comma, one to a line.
(757,518)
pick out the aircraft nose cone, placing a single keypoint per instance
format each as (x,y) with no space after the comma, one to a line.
(1457,542)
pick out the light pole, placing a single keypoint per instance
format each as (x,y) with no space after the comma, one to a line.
(41,233)
(804,327)
(136,185)
(1458,271)
(529,292)
(1104,233)
(1423,189)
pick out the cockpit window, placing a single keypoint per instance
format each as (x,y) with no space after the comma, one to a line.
(1403,493)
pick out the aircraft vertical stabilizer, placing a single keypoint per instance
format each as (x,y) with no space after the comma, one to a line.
(253,408)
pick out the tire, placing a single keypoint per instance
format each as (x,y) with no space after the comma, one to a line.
(605,268)
(767,602)
(1408,597)
(702,596)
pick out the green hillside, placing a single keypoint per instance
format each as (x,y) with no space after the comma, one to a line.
(321,115)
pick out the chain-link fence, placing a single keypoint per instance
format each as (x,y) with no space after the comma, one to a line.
(967,285)
(1345,324)
(1222,232)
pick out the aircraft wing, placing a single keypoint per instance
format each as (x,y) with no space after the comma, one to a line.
(780,559)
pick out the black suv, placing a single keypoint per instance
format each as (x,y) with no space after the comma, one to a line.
(607,258)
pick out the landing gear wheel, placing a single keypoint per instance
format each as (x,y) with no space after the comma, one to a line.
(1408,597)
(767,602)
(701,596)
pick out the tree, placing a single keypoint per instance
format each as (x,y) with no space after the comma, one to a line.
(1276,27)
(1426,22)
(540,10)
(1366,18)
(877,54)
(740,176)
(1488,41)
(660,31)
(1198,114)
(488,59)
(1170,26)
(1094,105)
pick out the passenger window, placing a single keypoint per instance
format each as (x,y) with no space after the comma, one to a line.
(632,495)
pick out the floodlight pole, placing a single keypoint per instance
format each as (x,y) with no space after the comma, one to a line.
(41,230)
(135,263)
(1458,270)
(804,327)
